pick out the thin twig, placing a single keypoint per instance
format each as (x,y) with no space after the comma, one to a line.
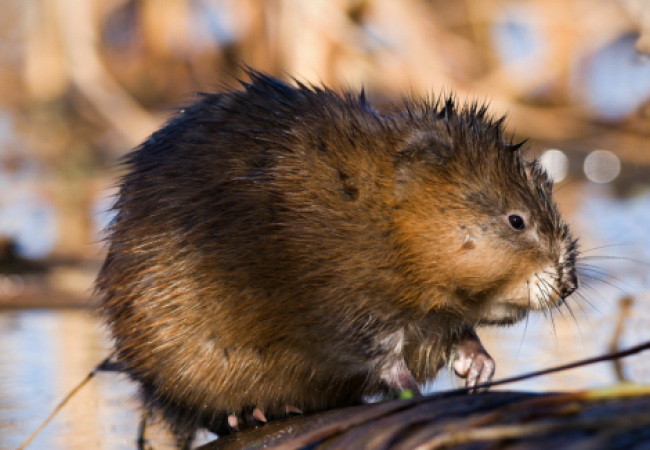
(624,311)
(67,398)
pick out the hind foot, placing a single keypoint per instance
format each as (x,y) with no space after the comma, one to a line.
(256,418)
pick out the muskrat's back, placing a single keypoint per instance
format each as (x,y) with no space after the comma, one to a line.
(280,246)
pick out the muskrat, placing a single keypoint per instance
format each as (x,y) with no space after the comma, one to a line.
(285,247)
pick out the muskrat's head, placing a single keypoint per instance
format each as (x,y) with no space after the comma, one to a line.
(479,222)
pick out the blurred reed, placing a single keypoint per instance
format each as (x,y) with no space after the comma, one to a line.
(83,82)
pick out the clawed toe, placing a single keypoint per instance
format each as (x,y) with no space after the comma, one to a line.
(233,423)
(259,415)
(254,417)
(293,410)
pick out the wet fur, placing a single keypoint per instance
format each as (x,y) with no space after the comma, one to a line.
(271,241)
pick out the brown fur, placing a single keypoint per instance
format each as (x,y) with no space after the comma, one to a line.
(270,244)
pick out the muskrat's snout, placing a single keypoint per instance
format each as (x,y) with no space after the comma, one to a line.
(553,277)
(553,286)
(569,288)
(567,284)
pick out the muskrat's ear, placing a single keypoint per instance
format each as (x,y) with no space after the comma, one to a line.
(423,147)
(419,151)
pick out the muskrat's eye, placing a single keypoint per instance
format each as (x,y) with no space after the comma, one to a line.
(516,222)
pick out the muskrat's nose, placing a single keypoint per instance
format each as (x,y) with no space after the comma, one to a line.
(570,285)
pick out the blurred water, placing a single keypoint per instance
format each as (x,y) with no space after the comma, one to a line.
(44,354)
(613,80)
(515,35)
(25,215)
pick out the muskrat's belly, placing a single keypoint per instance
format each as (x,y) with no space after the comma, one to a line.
(197,382)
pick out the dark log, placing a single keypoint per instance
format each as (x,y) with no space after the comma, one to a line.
(615,418)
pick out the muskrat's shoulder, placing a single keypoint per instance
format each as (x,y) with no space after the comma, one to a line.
(267,123)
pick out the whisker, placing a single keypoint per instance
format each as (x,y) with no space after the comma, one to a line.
(607,246)
(559,310)
(546,304)
(552,275)
(602,272)
(573,316)
(589,287)
(566,304)
(579,299)
(582,264)
(526,324)
(565,185)
(541,298)
(582,308)
(553,328)
(555,290)
(594,291)
(604,257)
(604,281)
(575,321)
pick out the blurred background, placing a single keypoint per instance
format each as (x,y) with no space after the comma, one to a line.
(82,82)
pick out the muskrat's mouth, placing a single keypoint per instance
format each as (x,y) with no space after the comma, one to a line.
(542,291)
(504,313)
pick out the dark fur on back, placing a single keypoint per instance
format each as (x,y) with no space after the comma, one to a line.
(262,253)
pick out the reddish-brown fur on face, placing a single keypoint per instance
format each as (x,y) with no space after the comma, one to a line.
(282,246)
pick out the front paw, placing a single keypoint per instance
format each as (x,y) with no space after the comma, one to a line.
(473,362)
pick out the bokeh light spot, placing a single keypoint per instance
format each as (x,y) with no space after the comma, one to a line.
(602,166)
(556,164)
